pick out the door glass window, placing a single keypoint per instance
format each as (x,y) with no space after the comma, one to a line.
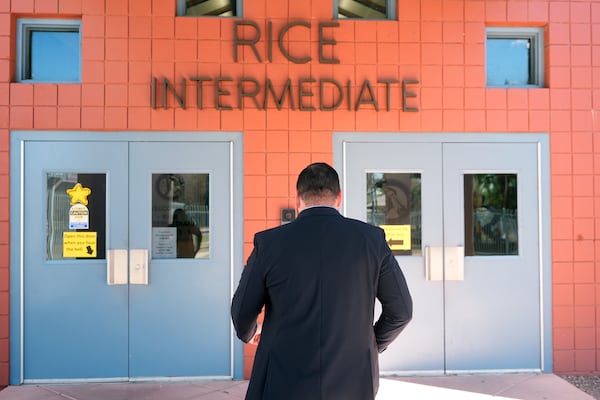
(76,216)
(180,216)
(394,204)
(491,226)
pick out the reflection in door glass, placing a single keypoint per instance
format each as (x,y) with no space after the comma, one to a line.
(76,216)
(394,204)
(180,216)
(491,226)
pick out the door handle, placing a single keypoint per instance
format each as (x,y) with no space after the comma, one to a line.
(434,263)
(138,270)
(116,267)
(454,263)
(445,263)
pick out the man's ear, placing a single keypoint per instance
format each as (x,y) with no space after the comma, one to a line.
(338,201)
(298,202)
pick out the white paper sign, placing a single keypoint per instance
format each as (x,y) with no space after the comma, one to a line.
(164,242)
(79,217)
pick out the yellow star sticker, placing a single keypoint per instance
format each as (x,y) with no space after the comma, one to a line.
(79,194)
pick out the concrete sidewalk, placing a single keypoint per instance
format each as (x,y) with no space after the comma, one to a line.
(471,387)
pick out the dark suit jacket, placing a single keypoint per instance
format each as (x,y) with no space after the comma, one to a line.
(317,278)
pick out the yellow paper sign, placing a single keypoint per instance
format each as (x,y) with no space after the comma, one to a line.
(397,236)
(79,244)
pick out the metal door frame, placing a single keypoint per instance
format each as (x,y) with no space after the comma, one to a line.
(544,229)
(18,139)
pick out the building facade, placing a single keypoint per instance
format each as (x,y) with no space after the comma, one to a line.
(144,142)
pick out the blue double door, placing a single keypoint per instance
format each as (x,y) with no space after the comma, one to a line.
(106,295)
(471,212)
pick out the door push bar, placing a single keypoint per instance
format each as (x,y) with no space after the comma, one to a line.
(445,263)
(117,263)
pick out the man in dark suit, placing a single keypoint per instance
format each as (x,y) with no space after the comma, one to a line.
(317,278)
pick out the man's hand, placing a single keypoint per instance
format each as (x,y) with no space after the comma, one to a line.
(256,338)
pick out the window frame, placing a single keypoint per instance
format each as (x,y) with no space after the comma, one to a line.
(182,7)
(536,53)
(390,13)
(25,26)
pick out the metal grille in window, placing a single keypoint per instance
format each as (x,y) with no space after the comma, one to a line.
(372,9)
(211,7)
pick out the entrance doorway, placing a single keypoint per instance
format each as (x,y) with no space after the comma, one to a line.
(467,217)
(127,257)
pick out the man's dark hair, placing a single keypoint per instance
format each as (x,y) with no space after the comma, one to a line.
(318,181)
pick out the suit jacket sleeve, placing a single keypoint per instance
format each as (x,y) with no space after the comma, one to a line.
(248,298)
(393,293)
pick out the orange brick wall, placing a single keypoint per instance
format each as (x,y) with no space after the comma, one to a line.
(440,43)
